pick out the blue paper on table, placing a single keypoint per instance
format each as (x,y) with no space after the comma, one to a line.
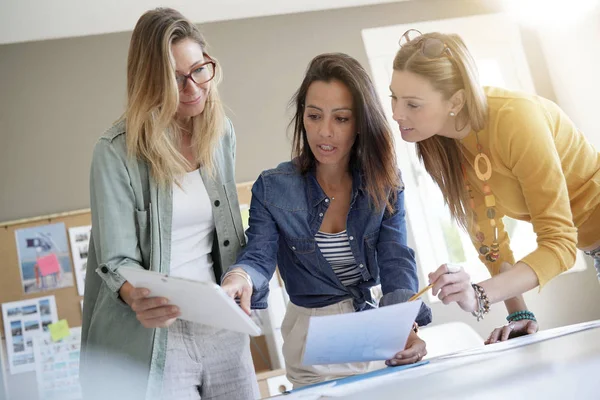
(360,377)
(370,335)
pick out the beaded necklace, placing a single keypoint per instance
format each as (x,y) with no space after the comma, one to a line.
(491,252)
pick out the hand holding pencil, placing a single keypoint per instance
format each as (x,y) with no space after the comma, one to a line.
(451,284)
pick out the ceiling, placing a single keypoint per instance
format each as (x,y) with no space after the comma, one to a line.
(29,20)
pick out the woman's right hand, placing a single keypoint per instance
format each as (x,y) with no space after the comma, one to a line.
(237,287)
(451,284)
(152,312)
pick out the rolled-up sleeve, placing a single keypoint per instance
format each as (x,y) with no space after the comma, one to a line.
(396,260)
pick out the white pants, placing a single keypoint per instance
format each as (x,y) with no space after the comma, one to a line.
(294,330)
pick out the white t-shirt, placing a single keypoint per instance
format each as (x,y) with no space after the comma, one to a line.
(192,230)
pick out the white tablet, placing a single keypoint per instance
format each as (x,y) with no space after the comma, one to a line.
(202,302)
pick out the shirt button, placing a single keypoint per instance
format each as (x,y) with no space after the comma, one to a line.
(351,238)
(326,200)
(104,270)
(226,243)
(217,203)
(360,266)
(321,215)
(294,248)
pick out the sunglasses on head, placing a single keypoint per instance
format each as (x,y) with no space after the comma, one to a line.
(430,47)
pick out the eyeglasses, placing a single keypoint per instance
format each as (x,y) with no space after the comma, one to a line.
(430,47)
(202,73)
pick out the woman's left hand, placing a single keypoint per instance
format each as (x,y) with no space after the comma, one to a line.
(413,352)
(512,330)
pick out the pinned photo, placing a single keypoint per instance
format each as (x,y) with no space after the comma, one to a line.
(23,322)
(29,310)
(45,322)
(32,325)
(44,258)
(14,312)
(18,344)
(45,308)
(16,328)
(79,238)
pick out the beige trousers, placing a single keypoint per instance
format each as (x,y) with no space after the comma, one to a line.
(294,330)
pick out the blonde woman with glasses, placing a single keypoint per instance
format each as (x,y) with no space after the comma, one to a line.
(496,152)
(163,198)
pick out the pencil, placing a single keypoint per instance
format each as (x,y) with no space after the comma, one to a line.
(417,295)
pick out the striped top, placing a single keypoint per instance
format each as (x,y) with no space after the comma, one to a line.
(335,247)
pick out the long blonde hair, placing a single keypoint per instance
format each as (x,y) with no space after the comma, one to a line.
(153,134)
(448,73)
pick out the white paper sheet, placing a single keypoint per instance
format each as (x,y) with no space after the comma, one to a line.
(523,340)
(57,366)
(363,336)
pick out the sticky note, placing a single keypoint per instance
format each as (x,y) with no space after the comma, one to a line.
(59,330)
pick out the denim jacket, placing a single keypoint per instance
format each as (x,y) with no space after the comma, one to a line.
(286,212)
(131,227)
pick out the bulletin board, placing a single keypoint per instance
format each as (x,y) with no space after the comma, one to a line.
(68,301)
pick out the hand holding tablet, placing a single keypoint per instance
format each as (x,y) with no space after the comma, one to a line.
(201,302)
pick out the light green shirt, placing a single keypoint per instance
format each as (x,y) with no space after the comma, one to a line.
(131,226)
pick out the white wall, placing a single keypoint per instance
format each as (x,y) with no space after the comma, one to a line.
(572,52)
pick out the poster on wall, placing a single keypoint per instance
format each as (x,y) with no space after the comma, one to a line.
(57,366)
(79,237)
(44,258)
(23,320)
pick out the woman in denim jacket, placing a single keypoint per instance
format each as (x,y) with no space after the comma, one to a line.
(163,198)
(333,219)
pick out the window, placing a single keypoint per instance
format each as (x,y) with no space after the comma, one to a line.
(494,41)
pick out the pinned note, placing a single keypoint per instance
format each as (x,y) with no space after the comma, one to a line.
(59,330)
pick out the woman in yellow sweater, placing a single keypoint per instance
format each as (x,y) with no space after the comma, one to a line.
(495,152)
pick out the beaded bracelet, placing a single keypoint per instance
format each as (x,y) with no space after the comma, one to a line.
(521,315)
(483,303)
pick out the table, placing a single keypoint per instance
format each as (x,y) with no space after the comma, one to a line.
(559,367)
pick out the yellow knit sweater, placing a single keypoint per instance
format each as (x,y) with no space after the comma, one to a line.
(544,172)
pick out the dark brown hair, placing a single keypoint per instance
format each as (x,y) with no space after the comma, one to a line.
(373,154)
